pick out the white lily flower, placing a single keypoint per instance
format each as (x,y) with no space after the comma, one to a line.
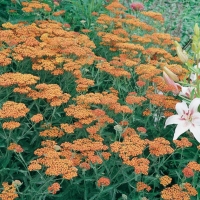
(186,91)
(187,119)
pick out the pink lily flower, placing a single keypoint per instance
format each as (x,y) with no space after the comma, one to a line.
(187,119)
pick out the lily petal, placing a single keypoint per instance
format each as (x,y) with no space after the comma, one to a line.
(196,119)
(186,91)
(194,105)
(180,129)
(174,119)
(181,108)
(196,132)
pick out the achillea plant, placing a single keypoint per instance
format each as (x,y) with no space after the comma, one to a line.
(83,118)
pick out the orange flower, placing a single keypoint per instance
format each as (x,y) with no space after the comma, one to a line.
(140,83)
(194,166)
(174,193)
(160,146)
(184,142)
(133,99)
(154,15)
(58,13)
(142,129)
(54,188)
(37,118)
(52,132)
(15,147)
(142,186)
(10,125)
(188,172)
(85,166)
(106,155)
(191,190)
(165,180)
(22,80)
(147,112)
(13,109)
(9,192)
(34,166)
(103,181)
(68,128)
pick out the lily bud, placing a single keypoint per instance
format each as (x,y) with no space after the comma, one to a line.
(173,76)
(196,29)
(194,47)
(169,81)
(182,54)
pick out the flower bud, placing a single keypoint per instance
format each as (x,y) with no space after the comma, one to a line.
(196,29)
(173,76)
(181,54)
(195,38)
(194,47)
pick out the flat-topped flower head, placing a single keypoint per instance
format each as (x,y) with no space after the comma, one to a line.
(137,6)
(188,118)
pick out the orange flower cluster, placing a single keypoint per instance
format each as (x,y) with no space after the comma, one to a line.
(176,192)
(132,98)
(131,147)
(52,132)
(31,6)
(165,180)
(15,147)
(37,118)
(141,165)
(117,72)
(54,188)
(154,15)
(147,71)
(10,125)
(160,147)
(85,166)
(154,47)
(86,115)
(13,110)
(188,172)
(63,159)
(142,129)
(184,142)
(52,159)
(142,186)
(68,128)
(86,149)
(9,192)
(51,92)
(49,40)
(103,181)
(163,101)
(4,57)
(58,13)
(34,166)
(22,80)
(194,166)
(132,22)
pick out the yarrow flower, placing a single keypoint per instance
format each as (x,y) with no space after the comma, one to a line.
(137,6)
(187,118)
(103,181)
